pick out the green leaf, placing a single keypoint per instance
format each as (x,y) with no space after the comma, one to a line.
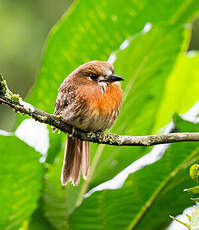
(38,220)
(148,196)
(56,141)
(181,91)
(59,201)
(92,30)
(20,182)
(120,155)
(143,92)
(146,65)
(194,190)
(187,125)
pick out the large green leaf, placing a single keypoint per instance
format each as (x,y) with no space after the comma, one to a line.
(148,196)
(20,182)
(59,202)
(181,89)
(122,156)
(145,83)
(93,30)
(38,220)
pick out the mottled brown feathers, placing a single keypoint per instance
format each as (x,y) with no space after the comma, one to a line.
(76,157)
(89,99)
(93,67)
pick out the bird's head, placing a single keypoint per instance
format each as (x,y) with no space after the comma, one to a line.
(97,72)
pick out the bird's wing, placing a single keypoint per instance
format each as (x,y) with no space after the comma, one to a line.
(65,97)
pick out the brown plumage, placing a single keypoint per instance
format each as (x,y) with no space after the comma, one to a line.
(89,99)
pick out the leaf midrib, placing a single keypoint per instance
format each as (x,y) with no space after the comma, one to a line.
(148,204)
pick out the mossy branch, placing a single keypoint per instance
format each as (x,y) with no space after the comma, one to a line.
(18,105)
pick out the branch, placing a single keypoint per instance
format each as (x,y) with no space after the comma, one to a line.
(18,105)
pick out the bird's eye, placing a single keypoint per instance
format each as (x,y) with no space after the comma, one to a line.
(93,76)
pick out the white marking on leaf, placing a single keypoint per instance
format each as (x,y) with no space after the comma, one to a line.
(124,44)
(112,58)
(147,27)
(34,134)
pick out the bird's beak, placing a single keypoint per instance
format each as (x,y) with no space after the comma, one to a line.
(113,78)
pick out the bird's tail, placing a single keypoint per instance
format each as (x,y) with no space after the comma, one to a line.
(76,157)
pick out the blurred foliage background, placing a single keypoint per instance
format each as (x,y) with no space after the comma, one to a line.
(24,26)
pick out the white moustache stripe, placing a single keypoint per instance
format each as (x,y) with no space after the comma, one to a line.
(103,86)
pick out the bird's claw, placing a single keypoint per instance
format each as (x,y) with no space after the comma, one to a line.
(72,133)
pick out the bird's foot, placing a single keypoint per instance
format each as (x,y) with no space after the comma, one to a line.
(72,133)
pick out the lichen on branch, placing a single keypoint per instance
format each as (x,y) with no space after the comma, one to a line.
(17,104)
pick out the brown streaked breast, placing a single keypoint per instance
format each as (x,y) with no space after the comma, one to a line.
(103,104)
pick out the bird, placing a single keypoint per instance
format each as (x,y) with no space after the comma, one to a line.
(89,99)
